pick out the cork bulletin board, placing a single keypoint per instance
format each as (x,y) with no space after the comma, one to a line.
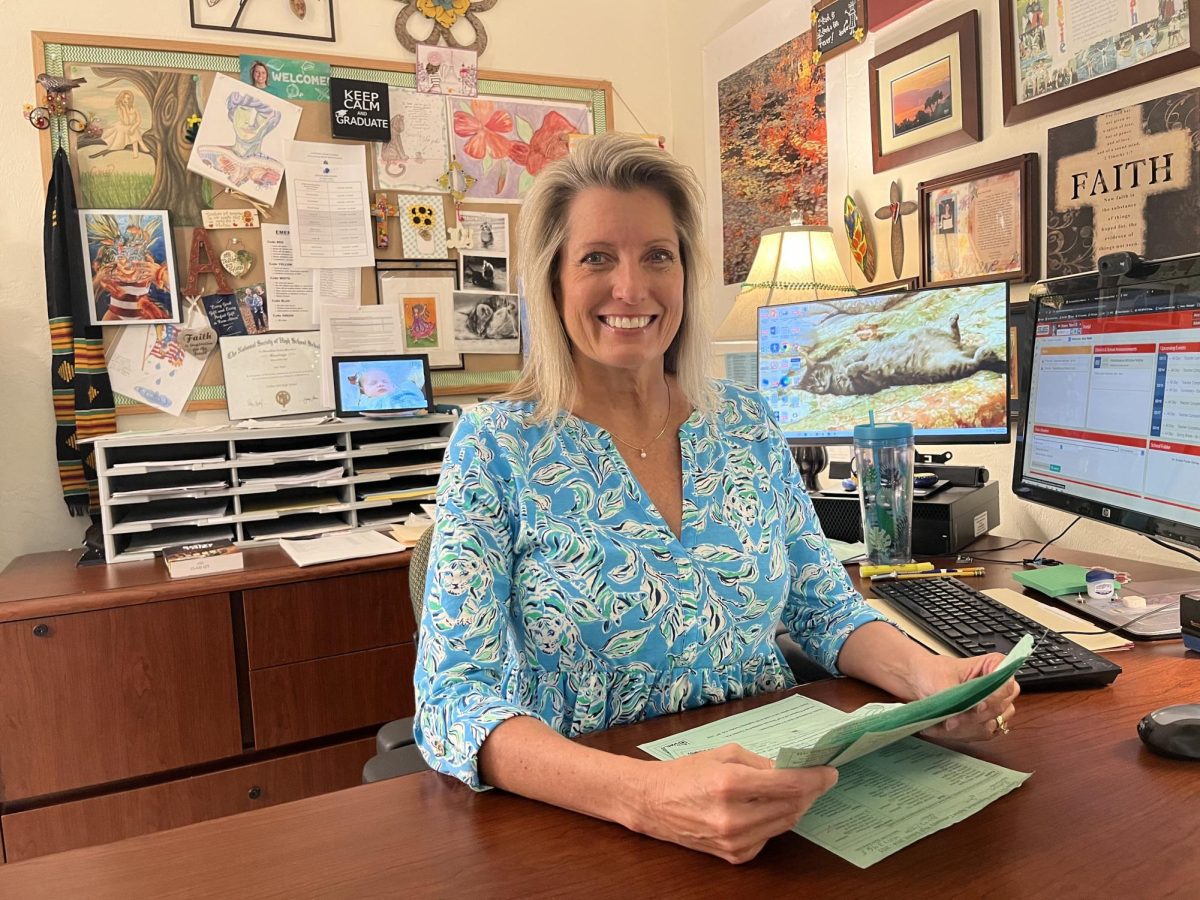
(168,82)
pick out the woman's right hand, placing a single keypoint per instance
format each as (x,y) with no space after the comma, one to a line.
(728,801)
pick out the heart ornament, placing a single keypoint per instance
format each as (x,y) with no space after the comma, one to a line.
(237,262)
(197,342)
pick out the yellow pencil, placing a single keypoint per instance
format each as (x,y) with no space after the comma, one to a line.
(945,573)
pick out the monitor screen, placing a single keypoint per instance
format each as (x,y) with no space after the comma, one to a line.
(936,358)
(382,385)
(1110,423)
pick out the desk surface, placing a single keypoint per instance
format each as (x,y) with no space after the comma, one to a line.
(1101,815)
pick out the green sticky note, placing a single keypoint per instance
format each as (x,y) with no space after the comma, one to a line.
(1054,581)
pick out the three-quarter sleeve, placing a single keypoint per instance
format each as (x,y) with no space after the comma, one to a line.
(466,633)
(822,607)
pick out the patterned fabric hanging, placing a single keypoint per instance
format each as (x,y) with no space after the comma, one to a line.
(83,398)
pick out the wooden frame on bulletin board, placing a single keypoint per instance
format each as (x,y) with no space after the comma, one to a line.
(55,52)
(1167,47)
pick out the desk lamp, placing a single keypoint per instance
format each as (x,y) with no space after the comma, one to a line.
(796,263)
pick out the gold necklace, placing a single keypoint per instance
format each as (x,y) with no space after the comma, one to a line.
(642,450)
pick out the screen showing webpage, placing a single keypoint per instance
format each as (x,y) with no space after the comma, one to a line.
(1114,404)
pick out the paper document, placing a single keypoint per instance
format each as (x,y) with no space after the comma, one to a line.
(882,802)
(334,547)
(408,534)
(878,725)
(357,331)
(1057,620)
(328,208)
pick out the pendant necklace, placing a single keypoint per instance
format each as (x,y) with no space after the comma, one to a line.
(642,450)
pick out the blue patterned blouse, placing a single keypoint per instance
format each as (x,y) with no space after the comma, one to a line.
(559,592)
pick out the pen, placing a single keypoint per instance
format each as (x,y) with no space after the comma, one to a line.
(937,573)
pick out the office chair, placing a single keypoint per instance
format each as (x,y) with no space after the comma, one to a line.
(396,752)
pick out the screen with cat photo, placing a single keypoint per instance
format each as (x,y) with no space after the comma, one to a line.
(935,358)
(395,384)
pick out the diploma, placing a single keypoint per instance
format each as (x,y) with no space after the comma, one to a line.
(272,374)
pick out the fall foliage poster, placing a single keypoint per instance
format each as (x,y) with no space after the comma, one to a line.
(774,160)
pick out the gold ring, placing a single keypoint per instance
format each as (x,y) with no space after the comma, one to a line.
(1001,724)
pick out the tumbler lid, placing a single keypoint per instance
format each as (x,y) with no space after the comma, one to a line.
(883,433)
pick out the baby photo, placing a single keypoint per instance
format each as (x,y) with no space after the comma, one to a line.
(379,385)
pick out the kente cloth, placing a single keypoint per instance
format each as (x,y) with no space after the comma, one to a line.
(83,398)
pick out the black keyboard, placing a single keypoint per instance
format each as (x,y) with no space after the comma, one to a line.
(974,624)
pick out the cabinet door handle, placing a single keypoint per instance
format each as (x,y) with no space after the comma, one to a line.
(254,793)
(41,630)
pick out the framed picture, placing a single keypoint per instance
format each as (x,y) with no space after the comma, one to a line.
(1054,55)
(1127,179)
(891,287)
(981,224)
(424,291)
(1020,335)
(131,266)
(310,19)
(925,94)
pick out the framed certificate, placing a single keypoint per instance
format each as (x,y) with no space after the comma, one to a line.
(272,374)
(981,224)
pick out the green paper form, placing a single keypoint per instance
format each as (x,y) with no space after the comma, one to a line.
(892,789)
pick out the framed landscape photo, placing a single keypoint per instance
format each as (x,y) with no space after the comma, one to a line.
(981,224)
(1054,55)
(925,94)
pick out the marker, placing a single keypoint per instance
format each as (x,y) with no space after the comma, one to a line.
(869,571)
(937,573)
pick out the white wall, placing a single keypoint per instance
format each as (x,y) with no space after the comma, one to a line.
(620,41)
(694,23)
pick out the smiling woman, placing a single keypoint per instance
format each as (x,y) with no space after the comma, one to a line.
(619,537)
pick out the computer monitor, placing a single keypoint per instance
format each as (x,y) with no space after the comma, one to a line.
(1110,421)
(936,358)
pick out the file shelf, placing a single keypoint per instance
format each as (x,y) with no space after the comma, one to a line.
(256,486)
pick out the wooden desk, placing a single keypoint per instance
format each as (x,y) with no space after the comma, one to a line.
(1100,816)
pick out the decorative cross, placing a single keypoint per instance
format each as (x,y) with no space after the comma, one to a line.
(382,210)
(894,210)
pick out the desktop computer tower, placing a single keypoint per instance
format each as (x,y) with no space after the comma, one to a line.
(942,524)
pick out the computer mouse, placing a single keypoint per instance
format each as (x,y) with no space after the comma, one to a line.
(1173,731)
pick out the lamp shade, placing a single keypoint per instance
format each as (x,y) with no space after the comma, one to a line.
(794,264)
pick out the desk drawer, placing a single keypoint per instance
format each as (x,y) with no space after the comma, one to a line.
(309,620)
(113,817)
(328,696)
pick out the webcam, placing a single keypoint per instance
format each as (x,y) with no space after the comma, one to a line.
(1113,265)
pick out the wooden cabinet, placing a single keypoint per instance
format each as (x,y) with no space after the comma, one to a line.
(131,702)
(106,695)
(113,817)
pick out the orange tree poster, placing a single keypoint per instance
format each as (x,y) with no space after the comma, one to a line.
(774,160)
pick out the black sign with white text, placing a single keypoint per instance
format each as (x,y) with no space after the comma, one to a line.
(359,109)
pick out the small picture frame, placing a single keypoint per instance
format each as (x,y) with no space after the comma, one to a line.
(309,19)
(981,224)
(1049,61)
(424,291)
(925,96)
(1020,334)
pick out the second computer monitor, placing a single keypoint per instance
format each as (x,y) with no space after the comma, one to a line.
(937,358)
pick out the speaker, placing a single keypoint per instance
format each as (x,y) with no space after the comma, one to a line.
(962,476)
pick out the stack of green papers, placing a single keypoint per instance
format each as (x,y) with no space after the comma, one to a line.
(880,724)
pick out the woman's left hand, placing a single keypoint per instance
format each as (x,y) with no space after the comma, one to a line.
(989,718)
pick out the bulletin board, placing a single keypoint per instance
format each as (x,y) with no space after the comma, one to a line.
(169,82)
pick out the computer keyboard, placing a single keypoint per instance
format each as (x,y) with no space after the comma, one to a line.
(974,624)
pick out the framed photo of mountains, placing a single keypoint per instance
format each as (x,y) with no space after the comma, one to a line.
(925,94)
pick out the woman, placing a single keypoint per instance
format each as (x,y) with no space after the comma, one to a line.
(260,75)
(127,132)
(619,538)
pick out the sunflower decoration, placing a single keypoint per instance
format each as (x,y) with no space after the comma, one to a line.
(442,15)
(422,217)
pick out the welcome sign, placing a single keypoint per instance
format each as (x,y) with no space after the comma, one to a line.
(359,109)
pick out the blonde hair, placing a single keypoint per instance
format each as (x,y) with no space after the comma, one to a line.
(621,163)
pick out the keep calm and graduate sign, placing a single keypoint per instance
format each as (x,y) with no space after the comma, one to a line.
(359,109)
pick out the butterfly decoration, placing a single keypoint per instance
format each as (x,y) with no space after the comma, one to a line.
(862,247)
(894,210)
